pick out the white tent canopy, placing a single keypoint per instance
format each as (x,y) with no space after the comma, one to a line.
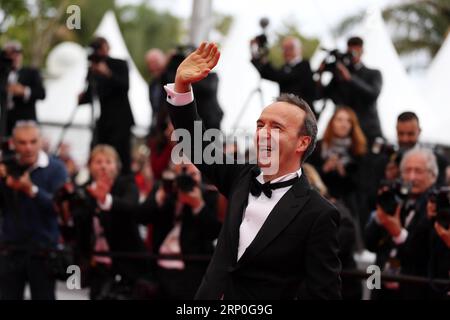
(438,94)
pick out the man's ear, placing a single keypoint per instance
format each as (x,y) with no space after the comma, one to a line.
(303,143)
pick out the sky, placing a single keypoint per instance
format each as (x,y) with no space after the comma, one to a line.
(314,17)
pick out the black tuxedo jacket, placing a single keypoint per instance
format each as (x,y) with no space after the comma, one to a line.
(113,95)
(293,255)
(360,94)
(296,79)
(26,110)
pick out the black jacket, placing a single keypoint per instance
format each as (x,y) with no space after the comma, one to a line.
(293,255)
(296,79)
(120,228)
(26,110)
(413,254)
(360,94)
(113,95)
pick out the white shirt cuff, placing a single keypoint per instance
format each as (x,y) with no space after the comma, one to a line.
(178,99)
(401,238)
(27,94)
(107,204)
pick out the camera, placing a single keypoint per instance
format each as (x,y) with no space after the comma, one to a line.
(381,146)
(172,183)
(76,196)
(334,57)
(260,47)
(6,63)
(441,197)
(9,158)
(93,55)
(391,194)
(184,182)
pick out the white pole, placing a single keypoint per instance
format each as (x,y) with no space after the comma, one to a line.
(201,21)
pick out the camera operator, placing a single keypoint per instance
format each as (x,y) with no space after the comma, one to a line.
(184,219)
(108,81)
(399,230)
(356,86)
(23,86)
(30,225)
(295,76)
(101,228)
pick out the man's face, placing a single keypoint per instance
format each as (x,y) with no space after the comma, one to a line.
(103,165)
(278,142)
(27,143)
(408,133)
(291,50)
(155,63)
(103,51)
(416,172)
(16,57)
(356,52)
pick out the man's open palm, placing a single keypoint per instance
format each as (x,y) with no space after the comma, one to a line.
(196,66)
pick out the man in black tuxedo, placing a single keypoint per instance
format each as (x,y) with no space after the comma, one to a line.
(279,238)
(357,87)
(295,76)
(23,87)
(109,82)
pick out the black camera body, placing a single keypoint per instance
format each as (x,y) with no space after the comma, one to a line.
(391,194)
(261,44)
(441,197)
(93,55)
(334,57)
(9,158)
(184,182)
(76,196)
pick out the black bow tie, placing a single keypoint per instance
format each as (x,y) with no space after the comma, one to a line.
(257,187)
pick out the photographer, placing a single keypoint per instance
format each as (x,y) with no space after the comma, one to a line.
(100,228)
(295,76)
(108,81)
(184,219)
(23,87)
(356,86)
(399,230)
(438,210)
(30,227)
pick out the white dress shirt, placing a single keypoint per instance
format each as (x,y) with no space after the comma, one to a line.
(258,209)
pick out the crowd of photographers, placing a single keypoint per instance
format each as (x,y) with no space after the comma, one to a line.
(133,213)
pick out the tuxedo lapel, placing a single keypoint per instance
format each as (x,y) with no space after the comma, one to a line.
(279,218)
(236,210)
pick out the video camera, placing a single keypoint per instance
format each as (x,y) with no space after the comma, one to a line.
(334,57)
(260,46)
(441,197)
(392,194)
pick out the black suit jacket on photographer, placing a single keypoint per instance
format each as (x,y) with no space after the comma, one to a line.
(294,253)
(413,253)
(297,79)
(113,95)
(26,109)
(360,94)
(120,228)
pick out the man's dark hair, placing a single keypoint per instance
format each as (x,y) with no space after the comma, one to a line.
(98,42)
(309,126)
(355,41)
(407,116)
